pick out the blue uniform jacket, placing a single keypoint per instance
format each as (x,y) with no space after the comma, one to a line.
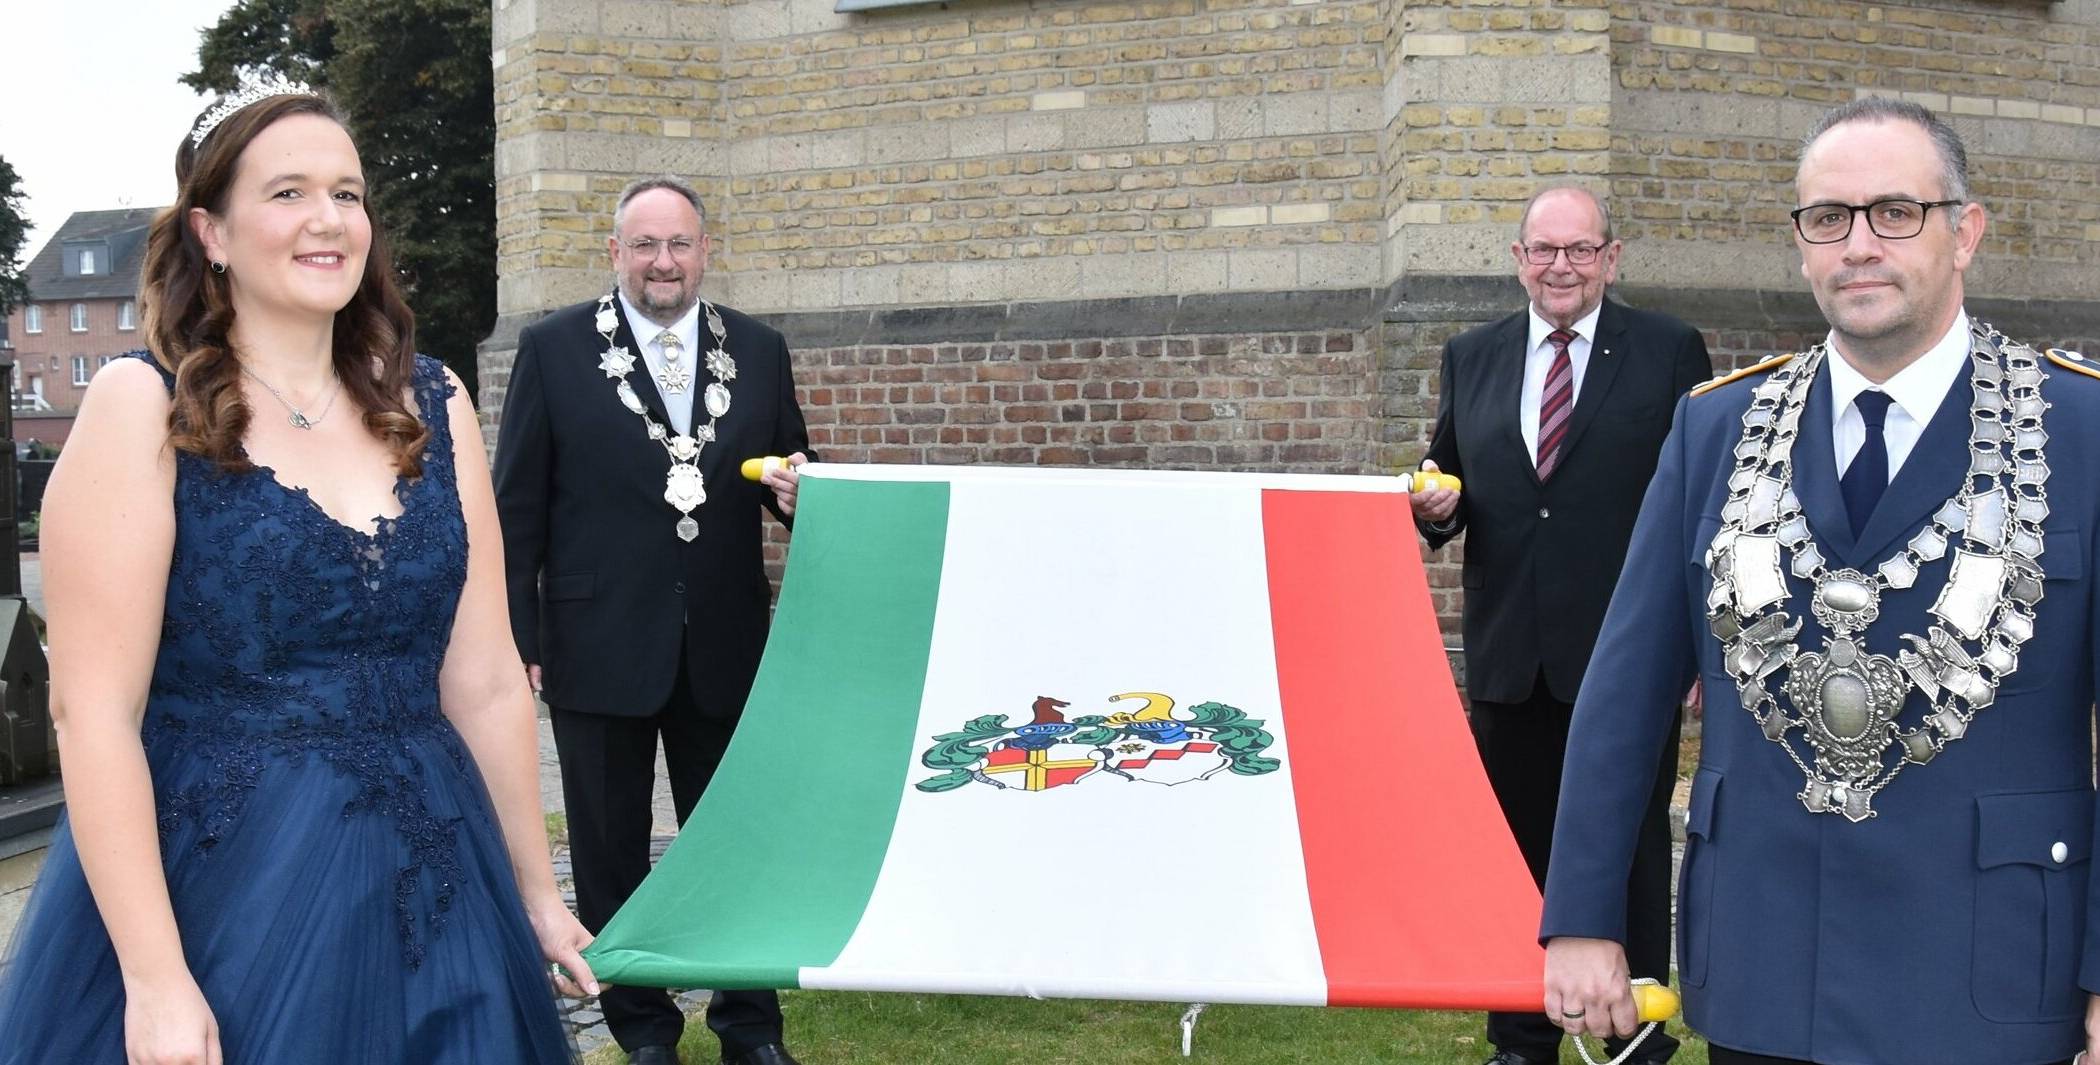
(1946,929)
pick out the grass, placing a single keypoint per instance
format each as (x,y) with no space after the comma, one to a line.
(861,1028)
(557,829)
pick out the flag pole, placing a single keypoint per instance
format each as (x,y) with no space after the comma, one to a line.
(1188,1027)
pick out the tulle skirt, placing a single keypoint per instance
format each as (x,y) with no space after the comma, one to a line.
(322,926)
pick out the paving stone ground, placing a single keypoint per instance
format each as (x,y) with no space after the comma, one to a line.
(585,1023)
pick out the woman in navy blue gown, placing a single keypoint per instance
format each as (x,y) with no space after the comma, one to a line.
(300,758)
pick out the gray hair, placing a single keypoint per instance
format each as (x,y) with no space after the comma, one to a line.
(660,181)
(1954,159)
(1597,201)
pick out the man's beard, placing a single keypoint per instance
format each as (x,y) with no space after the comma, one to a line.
(663,311)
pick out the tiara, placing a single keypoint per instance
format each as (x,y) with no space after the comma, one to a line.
(274,85)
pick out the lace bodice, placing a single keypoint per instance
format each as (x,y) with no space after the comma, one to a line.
(291,638)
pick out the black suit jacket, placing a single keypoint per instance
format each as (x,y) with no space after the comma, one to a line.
(603,594)
(1541,560)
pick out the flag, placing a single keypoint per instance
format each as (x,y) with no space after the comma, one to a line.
(1106,734)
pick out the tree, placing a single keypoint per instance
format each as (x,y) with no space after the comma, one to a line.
(415,80)
(293,38)
(14,229)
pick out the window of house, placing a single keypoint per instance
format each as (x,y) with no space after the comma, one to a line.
(33,319)
(87,260)
(80,369)
(80,317)
(127,315)
(36,384)
(104,360)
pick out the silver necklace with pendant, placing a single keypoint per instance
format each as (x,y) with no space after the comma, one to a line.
(1843,701)
(683,487)
(299,418)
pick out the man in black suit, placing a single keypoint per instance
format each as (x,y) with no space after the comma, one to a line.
(637,593)
(1553,418)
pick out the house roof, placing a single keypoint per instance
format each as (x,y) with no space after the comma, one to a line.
(124,230)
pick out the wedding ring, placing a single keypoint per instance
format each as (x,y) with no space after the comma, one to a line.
(1573,1015)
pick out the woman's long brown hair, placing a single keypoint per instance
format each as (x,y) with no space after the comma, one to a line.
(188,310)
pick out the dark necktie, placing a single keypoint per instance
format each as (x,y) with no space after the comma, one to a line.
(1868,476)
(1556,402)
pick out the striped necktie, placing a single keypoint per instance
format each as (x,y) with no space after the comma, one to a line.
(1555,404)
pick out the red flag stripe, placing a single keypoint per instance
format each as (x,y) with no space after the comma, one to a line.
(1388,787)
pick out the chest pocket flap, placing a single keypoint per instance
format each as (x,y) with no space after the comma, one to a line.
(2034,829)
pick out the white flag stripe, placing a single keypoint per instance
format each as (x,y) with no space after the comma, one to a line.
(981,884)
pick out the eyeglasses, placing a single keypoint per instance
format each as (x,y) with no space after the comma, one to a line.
(1578,254)
(648,247)
(1828,223)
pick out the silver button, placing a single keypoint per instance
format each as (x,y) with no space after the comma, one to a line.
(1544,513)
(2058,852)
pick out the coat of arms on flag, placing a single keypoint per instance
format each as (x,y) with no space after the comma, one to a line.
(1150,744)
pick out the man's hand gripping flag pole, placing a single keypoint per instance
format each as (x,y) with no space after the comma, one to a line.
(1654,1002)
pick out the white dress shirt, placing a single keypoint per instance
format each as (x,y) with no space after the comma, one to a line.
(1915,391)
(646,333)
(1538,361)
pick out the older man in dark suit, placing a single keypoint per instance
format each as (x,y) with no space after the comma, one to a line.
(637,594)
(1552,419)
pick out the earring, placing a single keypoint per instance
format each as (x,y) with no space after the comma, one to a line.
(218,267)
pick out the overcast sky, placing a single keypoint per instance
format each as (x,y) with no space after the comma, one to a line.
(90,111)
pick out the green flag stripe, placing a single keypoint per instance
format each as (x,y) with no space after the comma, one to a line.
(796,867)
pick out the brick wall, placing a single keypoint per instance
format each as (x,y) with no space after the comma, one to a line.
(1279,401)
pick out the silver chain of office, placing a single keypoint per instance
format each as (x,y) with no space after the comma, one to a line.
(683,487)
(1842,702)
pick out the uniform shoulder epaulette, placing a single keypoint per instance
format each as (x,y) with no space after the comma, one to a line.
(2073,361)
(1772,363)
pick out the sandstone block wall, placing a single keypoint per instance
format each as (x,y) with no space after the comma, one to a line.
(1236,233)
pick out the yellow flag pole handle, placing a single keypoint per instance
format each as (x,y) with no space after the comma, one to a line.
(1654,1002)
(753,469)
(1424,480)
